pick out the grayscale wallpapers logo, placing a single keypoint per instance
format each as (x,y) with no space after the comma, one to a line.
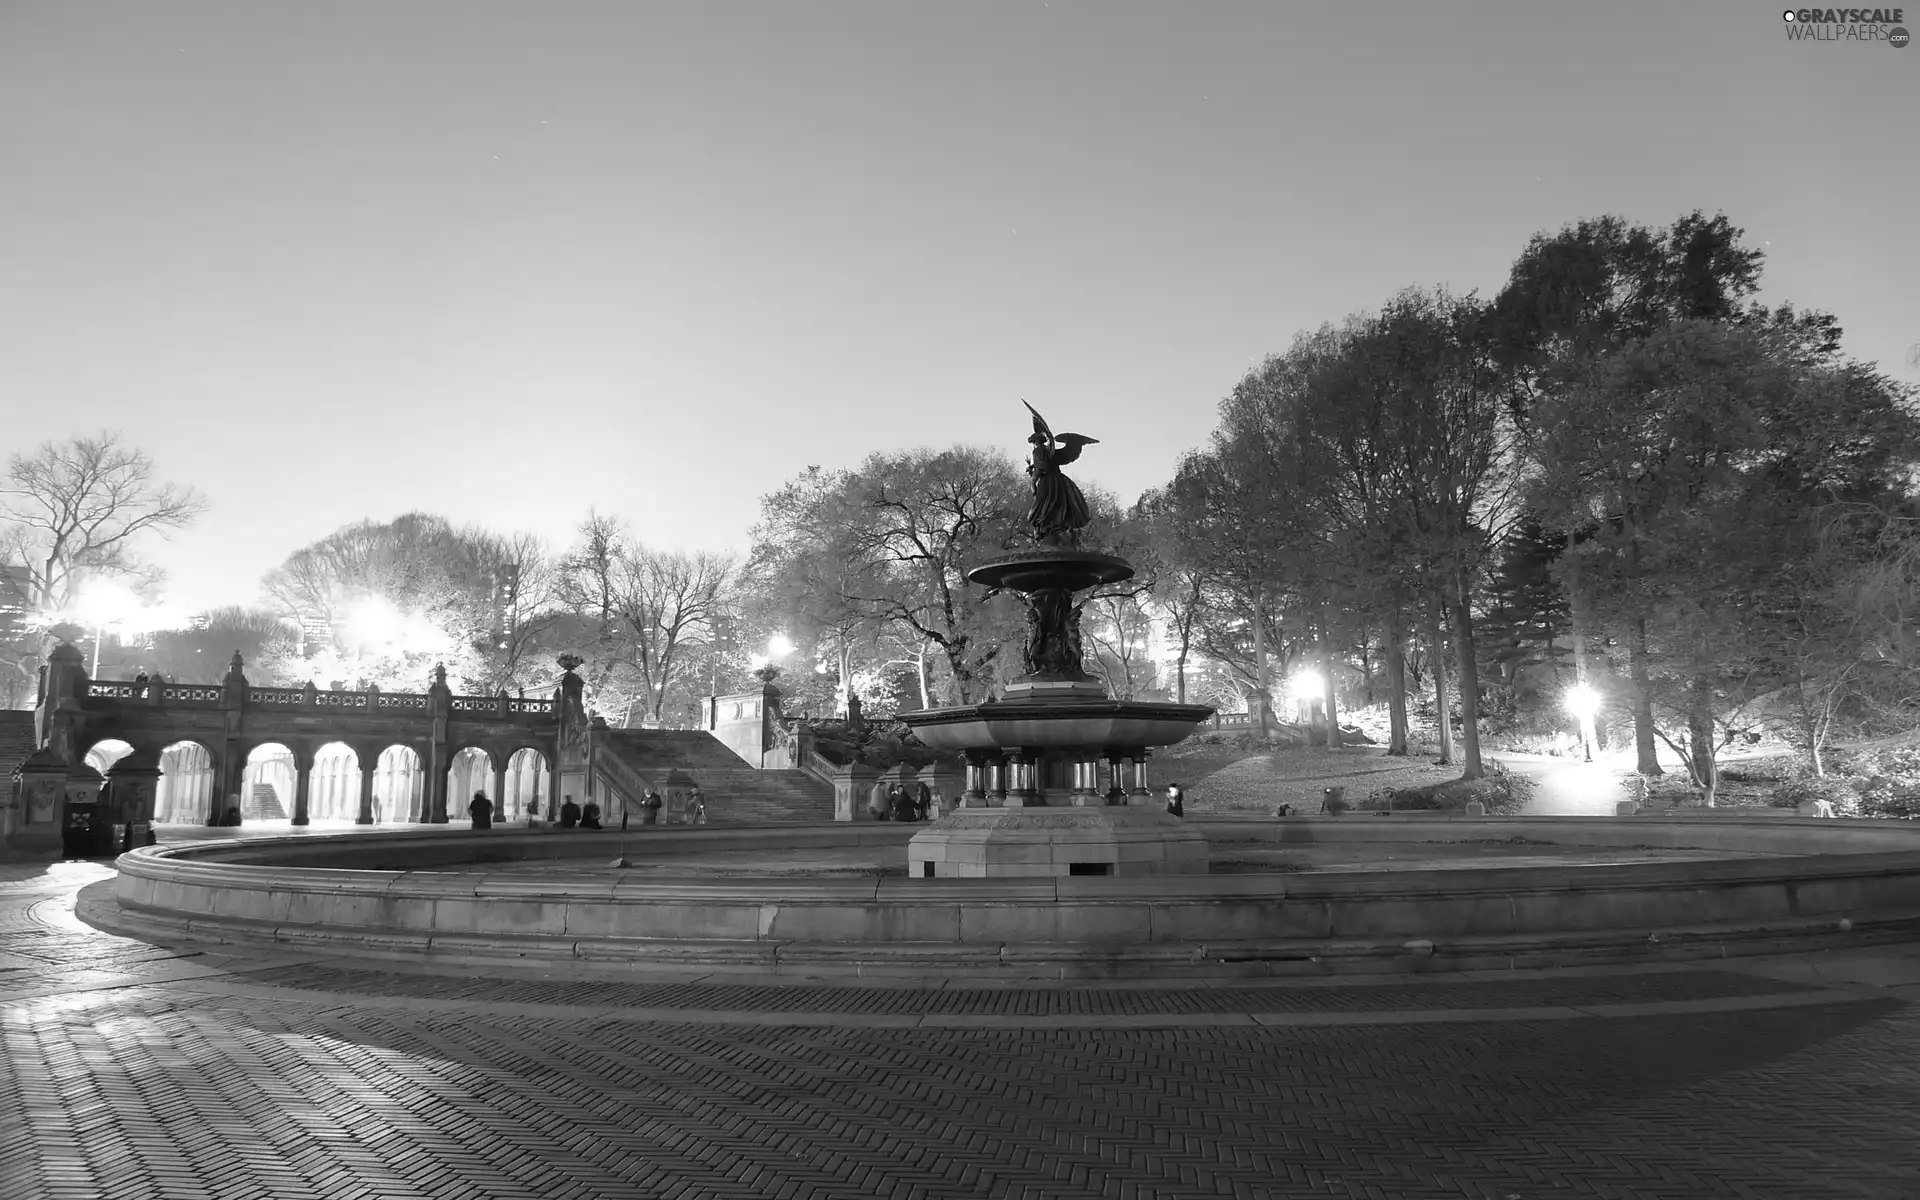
(1847,25)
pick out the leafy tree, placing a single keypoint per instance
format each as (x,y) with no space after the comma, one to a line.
(1700,454)
(646,609)
(1585,292)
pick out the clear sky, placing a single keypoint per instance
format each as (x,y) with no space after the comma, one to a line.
(510,261)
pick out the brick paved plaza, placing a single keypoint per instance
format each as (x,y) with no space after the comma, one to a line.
(138,1071)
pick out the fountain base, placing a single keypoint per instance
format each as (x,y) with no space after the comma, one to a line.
(1014,843)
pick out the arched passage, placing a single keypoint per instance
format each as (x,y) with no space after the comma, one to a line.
(529,784)
(267,785)
(107,752)
(396,786)
(185,796)
(470,771)
(333,787)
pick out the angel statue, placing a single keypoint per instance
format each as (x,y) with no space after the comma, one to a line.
(1059,510)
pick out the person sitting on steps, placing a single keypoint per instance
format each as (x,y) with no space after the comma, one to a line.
(590,816)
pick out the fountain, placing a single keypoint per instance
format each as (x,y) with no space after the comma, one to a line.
(1041,744)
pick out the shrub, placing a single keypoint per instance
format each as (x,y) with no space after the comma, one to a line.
(1795,792)
(1777,769)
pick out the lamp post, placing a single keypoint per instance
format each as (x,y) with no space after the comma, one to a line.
(1582,701)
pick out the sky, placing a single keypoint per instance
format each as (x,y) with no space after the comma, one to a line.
(512,262)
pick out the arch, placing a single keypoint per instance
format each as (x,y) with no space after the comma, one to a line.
(185,795)
(469,771)
(398,776)
(268,782)
(333,784)
(105,752)
(529,784)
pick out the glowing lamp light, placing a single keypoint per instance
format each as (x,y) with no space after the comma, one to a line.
(1582,701)
(373,621)
(1308,684)
(779,646)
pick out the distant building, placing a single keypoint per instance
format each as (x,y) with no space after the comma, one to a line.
(16,587)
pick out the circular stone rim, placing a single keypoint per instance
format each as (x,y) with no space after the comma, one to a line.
(1099,569)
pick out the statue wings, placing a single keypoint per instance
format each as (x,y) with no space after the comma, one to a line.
(1069,443)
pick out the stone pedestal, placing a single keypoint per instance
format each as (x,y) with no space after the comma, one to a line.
(1000,843)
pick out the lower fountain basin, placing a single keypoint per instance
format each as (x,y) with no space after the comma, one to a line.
(1775,885)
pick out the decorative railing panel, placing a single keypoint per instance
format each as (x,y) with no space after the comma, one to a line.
(189,694)
(339,699)
(1232,721)
(114,691)
(402,700)
(279,696)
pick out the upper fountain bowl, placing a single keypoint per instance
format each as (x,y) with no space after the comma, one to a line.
(1046,567)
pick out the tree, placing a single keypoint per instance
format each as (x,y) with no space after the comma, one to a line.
(72,512)
(1699,455)
(1585,292)
(387,601)
(648,608)
(883,551)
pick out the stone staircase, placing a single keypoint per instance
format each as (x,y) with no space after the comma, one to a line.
(632,759)
(263,804)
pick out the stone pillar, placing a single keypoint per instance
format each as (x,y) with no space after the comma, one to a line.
(973,792)
(851,784)
(1021,792)
(440,705)
(571,746)
(135,783)
(1139,794)
(996,769)
(302,785)
(369,767)
(1116,772)
(1086,784)
(499,785)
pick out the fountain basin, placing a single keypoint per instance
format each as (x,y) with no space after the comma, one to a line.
(314,893)
(1055,723)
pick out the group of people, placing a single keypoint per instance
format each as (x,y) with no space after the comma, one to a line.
(896,802)
(587,816)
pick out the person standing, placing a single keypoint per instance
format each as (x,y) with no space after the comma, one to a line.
(481,810)
(650,807)
(1176,801)
(877,801)
(696,806)
(922,801)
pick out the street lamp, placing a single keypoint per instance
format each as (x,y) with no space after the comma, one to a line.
(1582,701)
(1308,689)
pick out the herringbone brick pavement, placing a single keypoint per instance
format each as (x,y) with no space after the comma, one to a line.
(148,1088)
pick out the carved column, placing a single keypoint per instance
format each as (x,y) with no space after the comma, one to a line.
(1086,783)
(302,785)
(1139,794)
(369,766)
(996,768)
(440,766)
(975,795)
(499,787)
(1116,773)
(1021,792)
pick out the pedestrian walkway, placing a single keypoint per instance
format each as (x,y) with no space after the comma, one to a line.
(141,1071)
